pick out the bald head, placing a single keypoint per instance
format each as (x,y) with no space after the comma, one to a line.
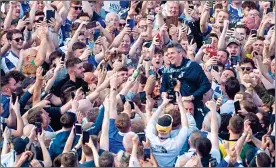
(84,105)
(127,141)
(90,78)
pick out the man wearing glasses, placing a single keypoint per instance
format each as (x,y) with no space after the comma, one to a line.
(10,60)
(74,10)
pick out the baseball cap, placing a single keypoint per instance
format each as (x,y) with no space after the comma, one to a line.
(19,145)
(232,40)
(164,124)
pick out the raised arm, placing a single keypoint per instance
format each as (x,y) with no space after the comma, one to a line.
(69,142)
(104,140)
(8,19)
(19,124)
(113,102)
(214,124)
(184,120)
(38,86)
(87,8)
(46,155)
(44,36)
(204,18)
(51,81)
(222,41)
(118,39)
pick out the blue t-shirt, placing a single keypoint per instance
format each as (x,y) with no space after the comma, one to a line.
(115,139)
(98,18)
(66,29)
(235,14)
(87,164)
(5,101)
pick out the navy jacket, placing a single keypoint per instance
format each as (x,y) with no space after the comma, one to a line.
(192,77)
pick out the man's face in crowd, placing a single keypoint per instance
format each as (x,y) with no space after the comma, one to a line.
(45,119)
(37,21)
(10,87)
(184,44)
(17,41)
(151,4)
(242,33)
(157,60)
(225,75)
(79,70)
(90,78)
(173,9)
(222,57)
(75,10)
(78,52)
(142,25)
(174,56)
(82,38)
(214,42)
(156,90)
(4,39)
(247,68)
(40,6)
(221,17)
(258,46)
(189,107)
(112,21)
(122,75)
(16,9)
(125,44)
(233,49)
(253,13)
(217,10)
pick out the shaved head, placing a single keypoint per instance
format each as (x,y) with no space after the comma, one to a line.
(84,106)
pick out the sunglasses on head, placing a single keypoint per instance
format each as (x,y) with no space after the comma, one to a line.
(246,68)
(77,7)
(18,39)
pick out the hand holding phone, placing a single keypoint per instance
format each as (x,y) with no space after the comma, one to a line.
(78,129)
(85,137)
(146,154)
(143,97)
(38,127)
(49,14)
(237,106)
(131,23)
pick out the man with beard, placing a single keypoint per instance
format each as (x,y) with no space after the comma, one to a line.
(76,75)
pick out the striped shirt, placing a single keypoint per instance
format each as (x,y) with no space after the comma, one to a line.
(9,61)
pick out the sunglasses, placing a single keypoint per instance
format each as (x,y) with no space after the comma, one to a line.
(246,68)
(39,20)
(18,39)
(122,24)
(77,7)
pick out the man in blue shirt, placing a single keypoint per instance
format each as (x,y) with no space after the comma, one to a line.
(194,82)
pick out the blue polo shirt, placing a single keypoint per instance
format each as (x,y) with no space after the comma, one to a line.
(5,101)
(66,29)
(115,138)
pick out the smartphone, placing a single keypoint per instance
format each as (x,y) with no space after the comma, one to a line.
(212,51)
(78,129)
(143,97)
(146,154)
(49,14)
(158,37)
(208,41)
(96,35)
(123,98)
(91,44)
(91,25)
(141,137)
(131,105)
(269,10)
(237,106)
(85,137)
(215,67)
(147,44)
(38,127)
(27,14)
(253,31)
(234,60)
(72,95)
(14,98)
(131,23)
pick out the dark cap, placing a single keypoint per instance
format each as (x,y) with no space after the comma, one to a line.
(165,120)
(19,145)
(232,40)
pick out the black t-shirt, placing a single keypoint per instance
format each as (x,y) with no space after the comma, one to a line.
(79,83)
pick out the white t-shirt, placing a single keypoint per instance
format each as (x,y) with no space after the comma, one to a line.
(7,160)
(165,151)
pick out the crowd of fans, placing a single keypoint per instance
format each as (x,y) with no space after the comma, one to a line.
(138,83)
